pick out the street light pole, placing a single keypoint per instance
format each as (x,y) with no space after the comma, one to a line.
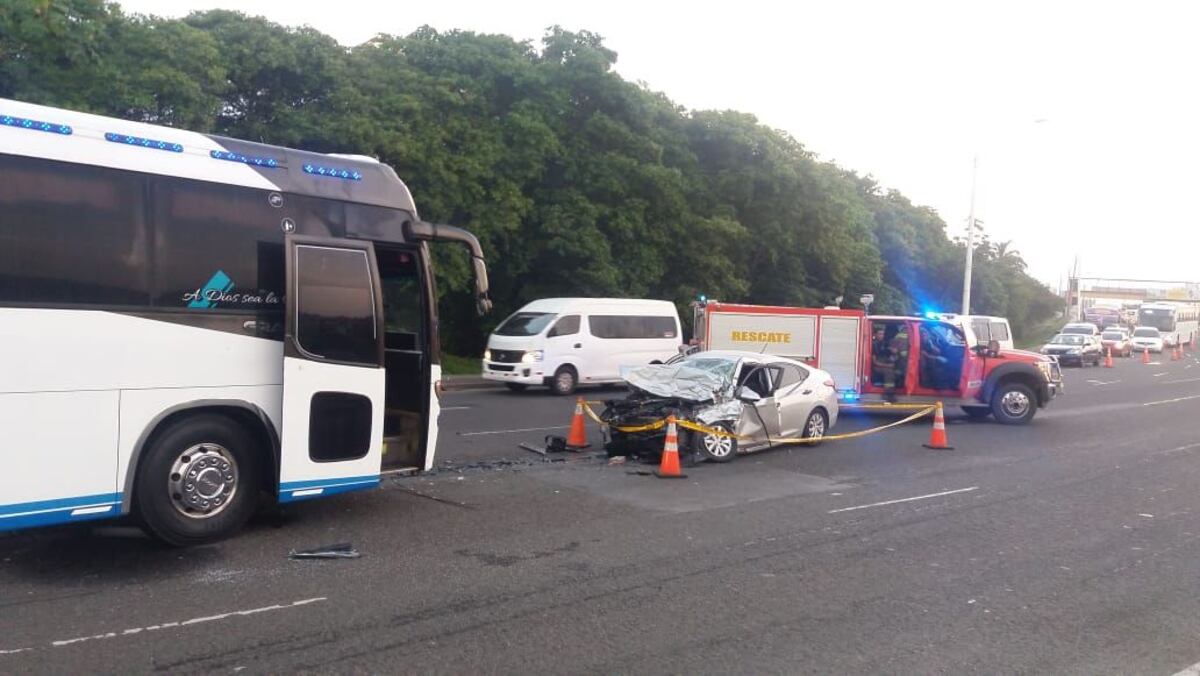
(966,298)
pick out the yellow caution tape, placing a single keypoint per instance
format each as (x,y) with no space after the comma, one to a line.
(716,431)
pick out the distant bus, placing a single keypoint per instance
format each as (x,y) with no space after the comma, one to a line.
(1103,317)
(1176,322)
(189,321)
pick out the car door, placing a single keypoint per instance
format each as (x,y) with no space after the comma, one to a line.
(794,399)
(760,418)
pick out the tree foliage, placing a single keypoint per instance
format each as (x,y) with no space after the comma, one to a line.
(576,181)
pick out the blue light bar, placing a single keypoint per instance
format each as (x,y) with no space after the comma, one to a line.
(143,142)
(268,162)
(332,172)
(34,125)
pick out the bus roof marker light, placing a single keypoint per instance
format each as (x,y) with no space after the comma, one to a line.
(35,125)
(153,144)
(332,172)
(268,162)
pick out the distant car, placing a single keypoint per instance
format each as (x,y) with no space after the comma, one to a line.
(1080,329)
(1147,338)
(1118,341)
(1074,348)
(760,398)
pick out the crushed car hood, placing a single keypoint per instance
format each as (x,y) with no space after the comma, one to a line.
(680,381)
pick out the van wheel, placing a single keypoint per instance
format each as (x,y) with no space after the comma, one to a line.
(716,447)
(1014,404)
(564,381)
(516,387)
(199,481)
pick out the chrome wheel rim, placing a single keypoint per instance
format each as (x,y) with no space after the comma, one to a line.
(718,446)
(203,481)
(1015,403)
(815,426)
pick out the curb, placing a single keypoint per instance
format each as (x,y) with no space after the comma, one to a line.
(461,383)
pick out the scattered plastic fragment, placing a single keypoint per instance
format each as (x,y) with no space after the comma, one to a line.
(342,550)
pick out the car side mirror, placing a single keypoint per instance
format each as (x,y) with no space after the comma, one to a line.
(746,395)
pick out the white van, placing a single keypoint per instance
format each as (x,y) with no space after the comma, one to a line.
(985,328)
(565,342)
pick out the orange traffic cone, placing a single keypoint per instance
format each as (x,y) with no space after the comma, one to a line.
(668,468)
(1175,353)
(937,438)
(1108,362)
(1146,356)
(577,438)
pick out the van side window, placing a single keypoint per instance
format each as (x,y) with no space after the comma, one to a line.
(628,326)
(981,330)
(999,331)
(565,326)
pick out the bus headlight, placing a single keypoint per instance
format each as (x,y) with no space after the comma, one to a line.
(531,357)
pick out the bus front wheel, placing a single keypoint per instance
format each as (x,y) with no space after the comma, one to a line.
(199,481)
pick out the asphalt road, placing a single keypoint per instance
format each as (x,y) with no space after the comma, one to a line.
(1068,546)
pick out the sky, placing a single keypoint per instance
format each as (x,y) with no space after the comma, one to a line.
(1082,116)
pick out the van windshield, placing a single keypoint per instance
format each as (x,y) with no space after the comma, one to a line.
(525,324)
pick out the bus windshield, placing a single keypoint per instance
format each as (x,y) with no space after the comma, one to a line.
(1161,319)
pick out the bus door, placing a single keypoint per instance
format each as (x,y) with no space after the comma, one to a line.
(333,375)
(410,404)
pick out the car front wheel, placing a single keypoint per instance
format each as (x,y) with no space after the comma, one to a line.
(716,447)
(564,381)
(1014,404)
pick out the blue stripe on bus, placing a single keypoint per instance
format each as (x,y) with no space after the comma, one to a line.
(49,512)
(320,488)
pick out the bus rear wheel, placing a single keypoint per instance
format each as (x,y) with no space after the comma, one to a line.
(198,482)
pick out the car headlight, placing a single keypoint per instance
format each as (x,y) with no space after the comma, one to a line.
(487,354)
(531,357)
(1073,350)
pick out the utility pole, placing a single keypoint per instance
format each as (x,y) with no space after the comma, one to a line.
(966,299)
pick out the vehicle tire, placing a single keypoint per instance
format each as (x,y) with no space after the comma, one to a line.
(716,448)
(516,387)
(564,381)
(1014,404)
(977,412)
(221,458)
(816,426)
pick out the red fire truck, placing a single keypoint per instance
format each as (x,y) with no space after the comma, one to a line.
(892,359)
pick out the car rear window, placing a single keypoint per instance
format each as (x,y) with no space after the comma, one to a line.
(1112,335)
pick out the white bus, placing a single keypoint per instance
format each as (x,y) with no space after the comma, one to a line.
(188,322)
(1179,323)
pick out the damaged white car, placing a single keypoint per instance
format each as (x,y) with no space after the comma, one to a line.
(760,398)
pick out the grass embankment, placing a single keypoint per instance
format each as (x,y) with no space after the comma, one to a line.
(454,365)
(1039,334)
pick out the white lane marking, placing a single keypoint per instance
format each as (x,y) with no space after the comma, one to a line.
(186,623)
(14,651)
(1159,375)
(1171,401)
(527,429)
(893,502)
(1104,382)
(1181,380)
(455,408)
(1193,670)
